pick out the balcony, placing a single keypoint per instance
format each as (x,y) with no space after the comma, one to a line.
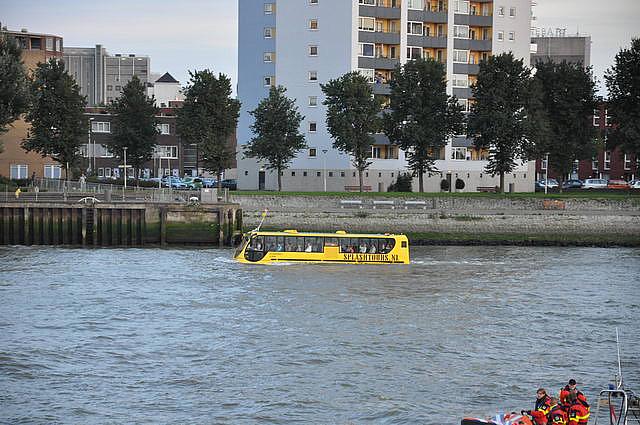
(377,63)
(463,93)
(424,41)
(380,11)
(468,44)
(428,16)
(379,37)
(466,68)
(473,20)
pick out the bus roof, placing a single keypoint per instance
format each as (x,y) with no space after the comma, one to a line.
(339,234)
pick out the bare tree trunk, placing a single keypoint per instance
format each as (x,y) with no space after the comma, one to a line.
(501,182)
(279,180)
(360,179)
(421,180)
(219,177)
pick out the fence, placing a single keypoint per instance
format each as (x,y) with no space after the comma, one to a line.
(47,190)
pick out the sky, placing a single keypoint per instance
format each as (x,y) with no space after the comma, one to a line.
(184,35)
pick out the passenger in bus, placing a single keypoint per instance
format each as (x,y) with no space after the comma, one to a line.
(309,248)
(372,248)
(363,248)
(384,248)
(279,248)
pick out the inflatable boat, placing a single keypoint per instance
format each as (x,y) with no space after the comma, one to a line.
(501,419)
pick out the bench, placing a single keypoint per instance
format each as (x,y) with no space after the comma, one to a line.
(350,203)
(391,204)
(415,204)
(357,188)
(491,189)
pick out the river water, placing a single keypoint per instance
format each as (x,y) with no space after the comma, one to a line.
(189,336)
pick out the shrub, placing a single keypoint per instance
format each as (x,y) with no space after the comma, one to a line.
(444,185)
(459,184)
(402,184)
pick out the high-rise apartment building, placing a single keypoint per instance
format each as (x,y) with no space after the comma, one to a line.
(102,76)
(300,44)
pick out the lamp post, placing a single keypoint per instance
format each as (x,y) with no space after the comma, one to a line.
(125,172)
(546,174)
(324,167)
(92,159)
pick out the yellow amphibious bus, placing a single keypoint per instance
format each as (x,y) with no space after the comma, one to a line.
(340,247)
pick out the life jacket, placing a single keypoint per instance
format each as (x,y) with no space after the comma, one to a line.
(543,404)
(563,398)
(539,417)
(578,414)
(557,415)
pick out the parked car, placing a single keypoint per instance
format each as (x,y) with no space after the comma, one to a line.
(634,184)
(617,184)
(550,183)
(209,182)
(595,184)
(230,184)
(173,182)
(193,183)
(572,184)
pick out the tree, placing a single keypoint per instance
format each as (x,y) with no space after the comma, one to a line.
(623,84)
(276,127)
(14,91)
(568,96)
(208,119)
(352,117)
(422,116)
(56,115)
(498,118)
(134,125)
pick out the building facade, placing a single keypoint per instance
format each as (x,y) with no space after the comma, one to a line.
(301,44)
(102,76)
(15,162)
(573,49)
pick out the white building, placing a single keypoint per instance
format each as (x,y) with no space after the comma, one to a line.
(166,89)
(300,44)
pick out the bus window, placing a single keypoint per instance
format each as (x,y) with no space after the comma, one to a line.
(331,242)
(344,245)
(386,245)
(290,243)
(279,243)
(256,244)
(270,243)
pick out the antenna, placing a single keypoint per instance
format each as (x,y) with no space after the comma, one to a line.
(264,215)
(619,383)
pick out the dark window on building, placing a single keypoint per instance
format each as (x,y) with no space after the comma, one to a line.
(330,173)
(293,174)
(341,173)
(304,174)
(246,173)
(36,44)
(318,173)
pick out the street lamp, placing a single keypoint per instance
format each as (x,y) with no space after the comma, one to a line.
(125,172)
(92,159)
(324,167)
(546,174)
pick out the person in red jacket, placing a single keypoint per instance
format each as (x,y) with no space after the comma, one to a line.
(557,415)
(543,401)
(578,413)
(571,387)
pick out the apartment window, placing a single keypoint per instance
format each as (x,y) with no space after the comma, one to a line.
(414,52)
(313,127)
(461,6)
(512,12)
(596,118)
(366,49)
(100,127)
(461,31)
(313,1)
(460,80)
(118,88)
(166,152)
(318,174)
(293,174)
(49,43)
(313,50)
(100,172)
(19,171)
(594,164)
(368,73)
(103,151)
(512,36)
(268,57)
(163,129)
(627,162)
(268,32)
(246,173)
(109,87)
(341,173)
(543,165)
(313,75)
(268,8)
(313,24)
(313,152)
(415,4)
(607,118)
(367,2)
(459,154)
(414,28)
(304,174)
(460,56)
(607,160)
(313,100)
(500,35)
(107,172)
(52,171)
(269,80)
(501,11)
(375,152)
(366,24)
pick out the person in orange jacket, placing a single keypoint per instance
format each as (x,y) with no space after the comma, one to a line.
(543,401)
(578,413)
(571,387)
(557,415)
